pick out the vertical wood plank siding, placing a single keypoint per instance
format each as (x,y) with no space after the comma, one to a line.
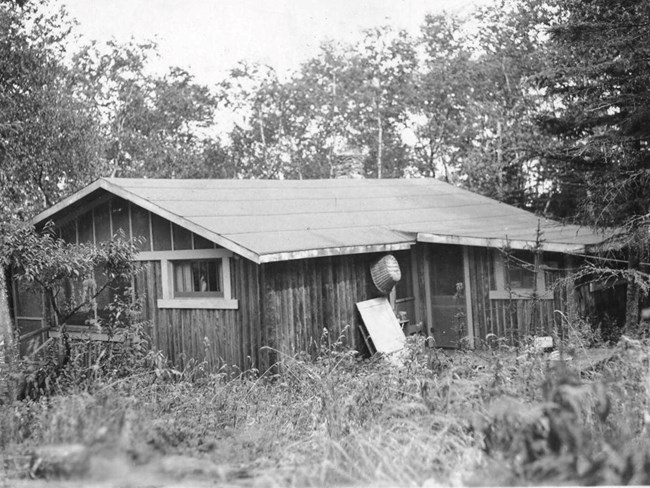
(217,336)
(512,319)
(286,306)
(304,297)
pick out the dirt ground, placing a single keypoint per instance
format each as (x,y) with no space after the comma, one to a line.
(110,468)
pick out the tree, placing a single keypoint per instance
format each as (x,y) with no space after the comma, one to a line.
(64,123)
(266,137)
(341,113)
(47,265)
(512,44)
(47,136)
(49,140)
(321,99)
(440,107)
(478,102)
(598,108)
(152,125)
(380,84)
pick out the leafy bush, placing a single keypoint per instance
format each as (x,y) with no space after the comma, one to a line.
(583,427)
(42,263)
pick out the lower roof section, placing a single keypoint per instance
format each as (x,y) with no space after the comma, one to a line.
(551,237)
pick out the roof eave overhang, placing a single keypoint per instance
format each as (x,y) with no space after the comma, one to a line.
(567,248)
(334,251)
(45,215)
(152,207)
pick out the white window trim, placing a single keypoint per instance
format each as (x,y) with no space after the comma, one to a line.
(501,293)
(167,258)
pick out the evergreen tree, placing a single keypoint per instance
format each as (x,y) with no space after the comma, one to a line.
(598,108)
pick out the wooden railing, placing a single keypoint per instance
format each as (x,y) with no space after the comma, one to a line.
(85,332)
(33,333)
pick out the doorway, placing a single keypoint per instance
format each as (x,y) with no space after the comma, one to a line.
(448,306)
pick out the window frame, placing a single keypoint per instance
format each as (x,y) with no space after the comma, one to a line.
(167,260)
(502,293)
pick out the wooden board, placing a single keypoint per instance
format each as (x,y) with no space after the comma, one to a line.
(382,325)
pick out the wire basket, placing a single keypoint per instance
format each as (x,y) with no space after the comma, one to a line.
(385,273)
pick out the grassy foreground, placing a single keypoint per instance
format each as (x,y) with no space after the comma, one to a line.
(495,417)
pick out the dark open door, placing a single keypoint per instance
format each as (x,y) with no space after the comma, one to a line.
(448,306)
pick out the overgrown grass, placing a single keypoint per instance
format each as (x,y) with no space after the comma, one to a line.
(490,417)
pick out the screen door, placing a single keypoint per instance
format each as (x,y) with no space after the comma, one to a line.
(448,306)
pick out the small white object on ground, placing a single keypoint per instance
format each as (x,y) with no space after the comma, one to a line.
(556,356)
(545,342)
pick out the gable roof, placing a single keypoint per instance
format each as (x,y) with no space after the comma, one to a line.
(276,220)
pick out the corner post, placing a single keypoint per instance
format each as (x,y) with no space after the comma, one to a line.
(469,316)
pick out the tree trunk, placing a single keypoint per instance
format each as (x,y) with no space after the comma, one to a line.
(260,121)
(380,143)
(500,191)
(6,338)
(633,293)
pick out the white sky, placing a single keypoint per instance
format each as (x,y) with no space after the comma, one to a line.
(207,37)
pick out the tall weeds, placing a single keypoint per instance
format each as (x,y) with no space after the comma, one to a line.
(435,417)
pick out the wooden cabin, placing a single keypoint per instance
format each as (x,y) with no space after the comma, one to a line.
(230,266)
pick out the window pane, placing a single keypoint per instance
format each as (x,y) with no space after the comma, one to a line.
(69,232)
(202,242)
(522,279)
(85,223)
(520,270)
(102,223)
(197,277)
(213,284)
(118,290)
(120,217)
(140,226)
(162,238)
(73,293)
(103,298)
(178,277)
(187,277)
(182,238)
(215,276)
(447,269)
(28,303)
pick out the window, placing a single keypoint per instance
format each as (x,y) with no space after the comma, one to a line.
(194,278)
(518,277)
(519,269)
(201,278)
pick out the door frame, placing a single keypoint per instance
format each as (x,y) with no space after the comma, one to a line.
(469,316)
